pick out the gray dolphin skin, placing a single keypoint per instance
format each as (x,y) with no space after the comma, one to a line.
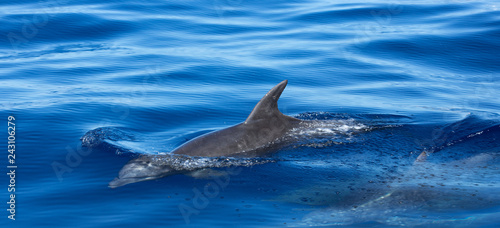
(264,125)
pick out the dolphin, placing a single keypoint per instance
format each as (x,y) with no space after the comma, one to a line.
(256,135)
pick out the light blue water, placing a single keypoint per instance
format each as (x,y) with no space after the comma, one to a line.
(141,77)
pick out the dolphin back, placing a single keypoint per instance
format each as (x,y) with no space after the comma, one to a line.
(264,125)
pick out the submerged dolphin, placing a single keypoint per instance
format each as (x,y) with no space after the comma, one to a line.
(263,126)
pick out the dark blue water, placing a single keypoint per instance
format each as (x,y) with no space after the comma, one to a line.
(396,78)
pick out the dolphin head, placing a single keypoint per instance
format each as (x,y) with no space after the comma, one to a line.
(141,169)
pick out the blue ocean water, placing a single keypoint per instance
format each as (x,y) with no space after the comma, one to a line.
(397,79)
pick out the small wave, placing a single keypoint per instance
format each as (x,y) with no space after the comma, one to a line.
(95,137)
(329,127)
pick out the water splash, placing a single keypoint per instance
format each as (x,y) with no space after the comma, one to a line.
(189,163)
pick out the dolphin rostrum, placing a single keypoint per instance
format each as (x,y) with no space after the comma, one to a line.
(263,127)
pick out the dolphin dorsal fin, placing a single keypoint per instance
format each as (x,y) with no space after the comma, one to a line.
(268,105)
